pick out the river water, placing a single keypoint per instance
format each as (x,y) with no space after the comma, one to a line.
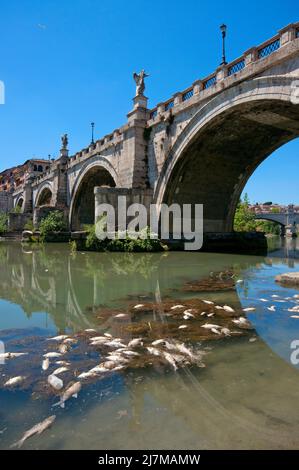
(246,396)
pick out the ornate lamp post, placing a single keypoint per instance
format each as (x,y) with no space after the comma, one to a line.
(223,29)
(92,128)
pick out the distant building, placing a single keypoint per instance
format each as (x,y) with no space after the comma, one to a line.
(12,178)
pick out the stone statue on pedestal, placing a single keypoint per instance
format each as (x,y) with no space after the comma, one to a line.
(64,141)
(139,80)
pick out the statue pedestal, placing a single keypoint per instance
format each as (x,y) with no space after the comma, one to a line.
(139,110)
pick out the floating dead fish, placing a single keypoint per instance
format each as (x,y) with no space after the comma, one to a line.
(264,300)
(169,358)
(60,370)
(294,316)
(135,342)
(154,351)
(63,348)
(108,335)
(98,339)
(45,364)
(211,315)
(139,306)
(294,309)
(117,358)
(14,381)
(214,330)
(225,331)
(71,391)
(252,340)
(238,281)
(189,313)
(203,313)
(296,296)
(55,382)
(131,353)
(11,355)
(209,326)
(249,309)
(181,327)
(37,429)
(209,302)
(228,308)
(90,330)
(62,363)
(121,315)
(114,344)
(58,338)
(177,306)
(70,341)
(275,296)
(272,308)
(219,307)
(52,354)
(158,341)
(241,321)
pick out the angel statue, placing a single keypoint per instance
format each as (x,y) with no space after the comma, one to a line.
(139,80)
(64,141)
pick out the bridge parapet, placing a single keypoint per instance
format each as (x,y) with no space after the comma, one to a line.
(228,74)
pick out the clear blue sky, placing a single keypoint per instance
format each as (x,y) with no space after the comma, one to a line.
(69,62)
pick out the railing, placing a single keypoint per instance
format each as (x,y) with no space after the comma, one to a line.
(169,105)
(237,67)
(210,82)
(187,95)
(269,48)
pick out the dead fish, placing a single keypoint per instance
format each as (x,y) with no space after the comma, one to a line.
(169,358)
(108,335)
(241,321)
(139,306)
(188,314)
(249,309)
(121,315)
(275,296)
(114,344)
(177,306)
(55,382)
(264,300)
(209,326)
(63,348)
(214,330)
(45,364)
(116,358)
(154,351)
(184,350)
(209,302)
(71,391)
(181,327)
(294,316)
(130,353)
(272,308)
(14,381)
(98,339)
(90,330)
(37,429)
(158,341)
(52,354)
(225,331)
(135,342)
(219,307)
(252,340)
(294,309)
(228,308)
(63,363)
(238,281)
(11,355)
(203,313)
(211,315)
(296,296)
(58,338)
(92,372)
(60,370)
(70,341)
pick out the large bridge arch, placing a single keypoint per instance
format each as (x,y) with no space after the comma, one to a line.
(44,195)
(222,145)
(98,171)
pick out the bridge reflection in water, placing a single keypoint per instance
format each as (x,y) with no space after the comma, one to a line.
(63,285)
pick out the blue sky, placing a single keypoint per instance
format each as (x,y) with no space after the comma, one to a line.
(69,62)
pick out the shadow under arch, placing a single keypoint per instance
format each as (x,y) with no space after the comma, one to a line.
(222,145)
(82,207)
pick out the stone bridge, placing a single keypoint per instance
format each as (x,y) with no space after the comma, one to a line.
(287,219)
(199,146)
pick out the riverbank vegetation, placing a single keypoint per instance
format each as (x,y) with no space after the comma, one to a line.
(3,222)
(245,220)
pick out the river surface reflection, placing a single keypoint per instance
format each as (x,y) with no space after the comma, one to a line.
(245,397)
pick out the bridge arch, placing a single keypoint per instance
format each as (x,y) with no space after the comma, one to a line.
(19,202)
(222,145)
(44,196)
(98,171)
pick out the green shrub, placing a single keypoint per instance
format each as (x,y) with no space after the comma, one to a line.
(29,225)
(54,222)
(3,222)
(128,244)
